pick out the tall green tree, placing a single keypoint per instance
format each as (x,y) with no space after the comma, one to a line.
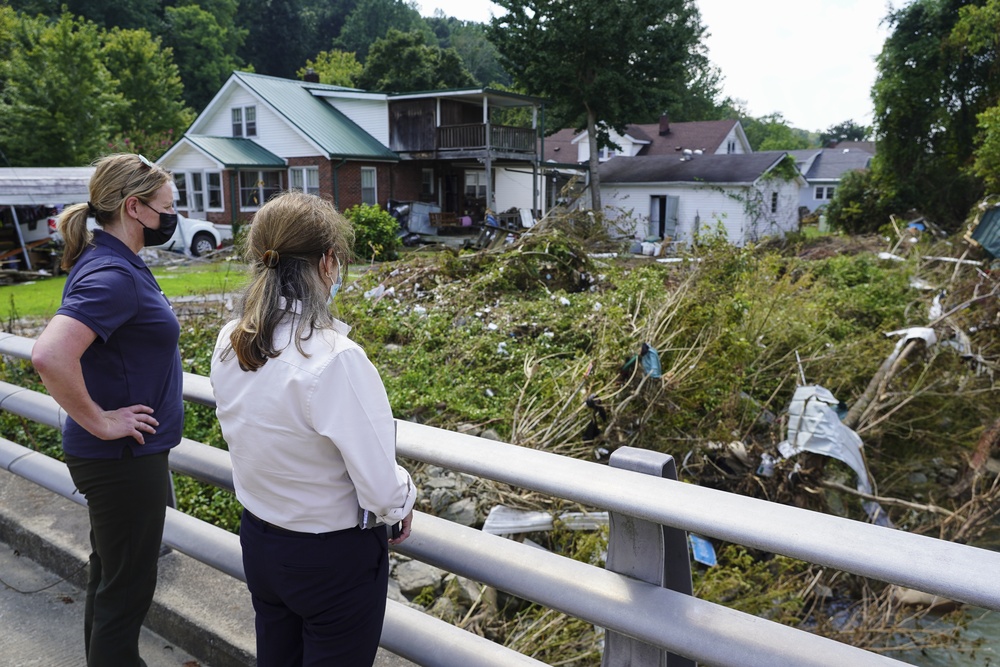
(602,64)
(153,112)
(978,33)
(703,97)
(325,20)
(846,131)
(469,39)
(119,13)
(372,20)
(204,50)
(773,133)
(928,94)
(338,68)
(274,43)
(59,102)
(405,62)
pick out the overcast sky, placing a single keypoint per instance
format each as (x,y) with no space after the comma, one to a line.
(810,60)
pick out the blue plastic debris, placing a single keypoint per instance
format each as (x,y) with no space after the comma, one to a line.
(702,550)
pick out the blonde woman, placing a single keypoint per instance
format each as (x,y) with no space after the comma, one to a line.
(312,440)
(109,357)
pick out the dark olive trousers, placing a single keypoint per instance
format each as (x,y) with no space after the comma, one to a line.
(127,500)
(319,599)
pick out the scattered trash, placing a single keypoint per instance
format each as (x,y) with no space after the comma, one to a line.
(564,301)
(490,393)
(766,467)
(936,310)
(813,426)
(502,349)
(702,550)
(889,255)
(594,428)
(503,520)
(650,360)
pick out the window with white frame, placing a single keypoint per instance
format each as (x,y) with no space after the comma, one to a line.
(256,187)
(199,190)
(196,193)
(369,189)
(774,202)
(475,184)
(305,179)
(237,121)
(213,191)
(244,121)
(605,154)
(250,121)
(427,182)
(824,192)
(730,146)
(180,180)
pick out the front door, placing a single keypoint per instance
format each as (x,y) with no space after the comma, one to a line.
(663,216)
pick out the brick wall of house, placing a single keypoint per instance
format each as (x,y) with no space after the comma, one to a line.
(406,181)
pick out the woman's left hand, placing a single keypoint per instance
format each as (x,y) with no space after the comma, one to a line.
(404,530)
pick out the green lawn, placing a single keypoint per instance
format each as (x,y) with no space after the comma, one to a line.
(40,299)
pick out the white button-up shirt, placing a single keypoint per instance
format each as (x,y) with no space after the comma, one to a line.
(312,438)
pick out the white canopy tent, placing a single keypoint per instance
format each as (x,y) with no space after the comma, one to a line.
(36,186)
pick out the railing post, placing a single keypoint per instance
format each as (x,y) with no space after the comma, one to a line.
(649,552)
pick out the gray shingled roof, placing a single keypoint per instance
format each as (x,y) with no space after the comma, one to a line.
(705,135)
(830,164)
(334,132)
(741,169)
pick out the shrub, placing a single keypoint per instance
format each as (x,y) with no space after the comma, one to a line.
(375,232)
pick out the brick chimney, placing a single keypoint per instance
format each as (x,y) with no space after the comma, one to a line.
(664,124)
(311,76)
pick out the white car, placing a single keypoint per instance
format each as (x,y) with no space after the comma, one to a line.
(199,236)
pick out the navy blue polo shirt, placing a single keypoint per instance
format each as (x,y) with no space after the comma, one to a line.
(134,359)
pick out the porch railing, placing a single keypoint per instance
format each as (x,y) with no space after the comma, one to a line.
(473,137)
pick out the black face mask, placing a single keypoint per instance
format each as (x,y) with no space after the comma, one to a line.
(168,223)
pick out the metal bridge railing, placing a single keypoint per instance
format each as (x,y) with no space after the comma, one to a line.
(676,626)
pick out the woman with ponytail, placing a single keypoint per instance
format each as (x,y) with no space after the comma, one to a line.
(109,357)
(313,445)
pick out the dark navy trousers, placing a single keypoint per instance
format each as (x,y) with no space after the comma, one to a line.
(319,599)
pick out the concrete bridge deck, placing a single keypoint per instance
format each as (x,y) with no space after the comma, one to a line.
(200,616)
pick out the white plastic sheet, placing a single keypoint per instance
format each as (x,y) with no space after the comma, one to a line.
(813,426)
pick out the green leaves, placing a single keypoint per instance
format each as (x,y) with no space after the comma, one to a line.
(70,91)
(59,101)
(405,62)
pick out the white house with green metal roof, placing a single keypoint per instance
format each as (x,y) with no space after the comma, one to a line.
(261,134)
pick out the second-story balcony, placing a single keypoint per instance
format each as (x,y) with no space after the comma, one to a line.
(474,137)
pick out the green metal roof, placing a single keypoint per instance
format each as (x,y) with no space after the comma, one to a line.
(236,152)
(334,132)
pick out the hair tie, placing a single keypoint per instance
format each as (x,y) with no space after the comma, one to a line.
(91,211)
(270,259)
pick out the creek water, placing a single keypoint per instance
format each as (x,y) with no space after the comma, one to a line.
(983,625)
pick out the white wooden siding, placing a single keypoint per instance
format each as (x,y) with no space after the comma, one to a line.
(513,188)
(273,131)
(187,158)
(710,207)
(371,115)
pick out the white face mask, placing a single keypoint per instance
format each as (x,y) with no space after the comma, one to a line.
(335,287)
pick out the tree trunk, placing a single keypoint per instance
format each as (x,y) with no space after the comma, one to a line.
(595,179)
(877,384)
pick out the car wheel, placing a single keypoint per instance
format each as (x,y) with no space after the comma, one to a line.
(202,244)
